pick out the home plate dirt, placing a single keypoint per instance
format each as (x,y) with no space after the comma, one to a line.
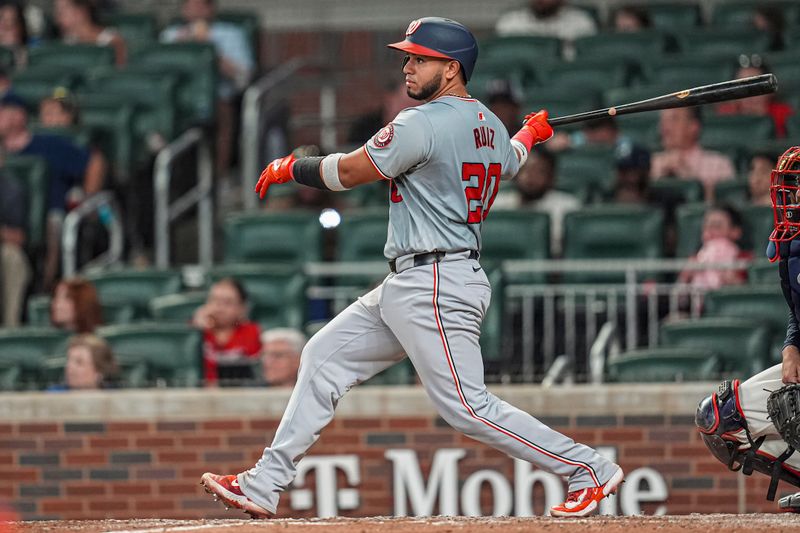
(606,524)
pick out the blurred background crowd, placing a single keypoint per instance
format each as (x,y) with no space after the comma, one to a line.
(108,108)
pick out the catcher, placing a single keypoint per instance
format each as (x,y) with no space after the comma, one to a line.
(755,425)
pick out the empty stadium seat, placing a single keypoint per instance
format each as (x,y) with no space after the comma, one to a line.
(196,64)
(76,56)
(275,237)
(138,29)
(560,101)
(727,130)
(177,307)
(688,70)
(762,271)
(621,46)
(172,352)
(590,74)
(10,373)
(756,302)
(641,127)
(677,191)
(362,235)
(673,15)
(36,83)
(27,348)
(521,48)
(612,232)
(722,41)
(663,365)
(733,192)
(110,119)
(31,172)
(39,312)
(135,288)
(741,345)
(515,234)
(276,292)
(758,221)
(587,171)
(689,227)
(739,14)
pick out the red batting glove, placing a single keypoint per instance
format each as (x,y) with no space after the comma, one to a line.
(534,130)
(279,171)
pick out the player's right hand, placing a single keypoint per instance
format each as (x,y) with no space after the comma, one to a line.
(279,171)
(538,126)
(790,368)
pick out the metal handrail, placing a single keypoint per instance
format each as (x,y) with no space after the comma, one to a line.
(250,139)
(69,233)
(200,195)
(606,345)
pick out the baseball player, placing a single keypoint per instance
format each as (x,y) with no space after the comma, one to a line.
(443,160)
(755,425)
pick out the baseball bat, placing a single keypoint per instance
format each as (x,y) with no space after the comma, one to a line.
(706,94)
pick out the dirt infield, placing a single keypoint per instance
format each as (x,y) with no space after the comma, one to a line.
(661,524)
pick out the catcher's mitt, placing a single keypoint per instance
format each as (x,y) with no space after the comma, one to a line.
(783,406)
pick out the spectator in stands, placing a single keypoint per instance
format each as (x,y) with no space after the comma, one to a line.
(765,105)
(770,19)
(15,267)
(534,190)
(683,157)
(722,229)
(503,101)
(75,306)
(632,175)
(60,110)
(231,343)
(90,365)
(79,22)
(393,100)
(759,176)
(280,356)
(74,172)
(631,19)
(14,31)
(236,64)
(547,18)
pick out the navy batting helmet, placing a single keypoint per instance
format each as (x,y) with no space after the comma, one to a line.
(440,37)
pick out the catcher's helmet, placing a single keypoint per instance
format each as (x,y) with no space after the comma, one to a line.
(785,192)
(440,37)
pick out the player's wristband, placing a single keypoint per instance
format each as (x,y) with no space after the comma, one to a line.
(330,172)
(525,137)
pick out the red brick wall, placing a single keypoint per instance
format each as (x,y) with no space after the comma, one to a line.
(151,469)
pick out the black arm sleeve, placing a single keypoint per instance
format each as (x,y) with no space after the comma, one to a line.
(792,331)
(306,172)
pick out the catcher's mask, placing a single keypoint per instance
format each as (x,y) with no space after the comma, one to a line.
(785,192)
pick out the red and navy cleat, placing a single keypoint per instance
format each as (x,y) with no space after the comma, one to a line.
(584,501)
(226,489)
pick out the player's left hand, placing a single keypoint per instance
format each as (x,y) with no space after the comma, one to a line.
(279,171)
(790,369)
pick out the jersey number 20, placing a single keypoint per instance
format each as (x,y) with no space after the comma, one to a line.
(488,178)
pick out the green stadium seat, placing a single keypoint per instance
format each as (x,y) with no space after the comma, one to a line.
(589,74)
(515,234)
(612,232)
(37,83)
(401,373)
(275,237)
(492,337)
(689,227)
(758,224)
(76,56)
(641,127)
(756,302)
(172,352)
(739,14)
(27,348)
(132,373)
(135,288)
(39,312)
(677,191)
(741,345)
(728,130)
(196,64)
(762,271)
(587,171)
(673,15)
(793,126)
(31,172)
(522,49)
(138,29)
(10,373)
(364,234)
(663,365)
(621,46)
(7,58)
(722,41)
(276,292)
(679,72)
(560,101)
(733,192)
(110,119)
(177,307)
(371,195)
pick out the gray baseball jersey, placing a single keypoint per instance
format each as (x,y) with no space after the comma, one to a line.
(445,159)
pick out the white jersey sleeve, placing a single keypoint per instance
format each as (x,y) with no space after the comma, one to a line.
(402,145)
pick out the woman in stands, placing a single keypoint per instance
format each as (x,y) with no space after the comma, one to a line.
(14,31)
(79,22)
(75,306)
(90,364)
(231,343)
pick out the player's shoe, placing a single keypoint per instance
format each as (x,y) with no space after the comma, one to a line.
(790,503)
(584,501)
(226,488)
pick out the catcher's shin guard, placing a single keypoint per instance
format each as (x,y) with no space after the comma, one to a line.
(719,419)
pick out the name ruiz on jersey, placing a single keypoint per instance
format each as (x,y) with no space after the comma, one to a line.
(484,137)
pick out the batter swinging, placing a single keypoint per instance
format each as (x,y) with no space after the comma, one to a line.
(444,160)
